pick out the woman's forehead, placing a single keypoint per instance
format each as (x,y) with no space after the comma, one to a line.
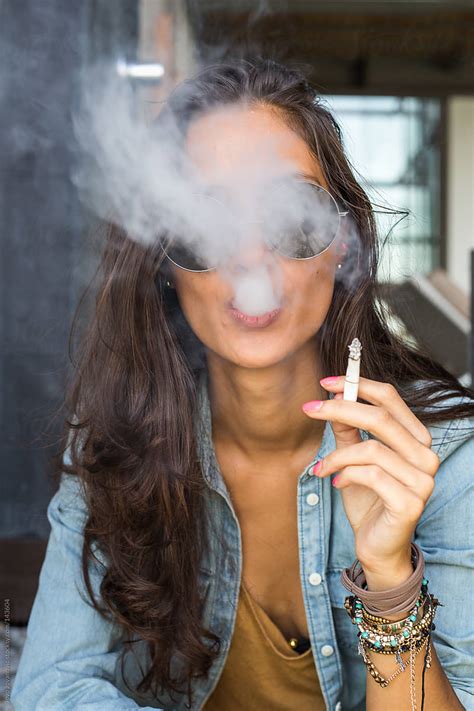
(239,146)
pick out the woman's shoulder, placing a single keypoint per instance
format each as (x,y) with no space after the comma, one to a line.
(453,442)
(68,504)
(450,433)
(448,511)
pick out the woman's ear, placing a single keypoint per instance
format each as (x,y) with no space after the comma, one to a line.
(164,274)
(341,251)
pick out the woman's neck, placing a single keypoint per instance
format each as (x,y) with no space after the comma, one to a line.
(258,411)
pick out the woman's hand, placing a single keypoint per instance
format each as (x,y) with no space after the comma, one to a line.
(385,483)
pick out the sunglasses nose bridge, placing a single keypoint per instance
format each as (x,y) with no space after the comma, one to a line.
(251,248)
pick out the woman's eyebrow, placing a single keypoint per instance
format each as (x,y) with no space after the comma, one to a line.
(224,191)
(306,176)
(295,176)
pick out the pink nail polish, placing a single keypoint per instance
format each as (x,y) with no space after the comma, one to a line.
(313,405)
(331,380)
(335,479)
(317,467)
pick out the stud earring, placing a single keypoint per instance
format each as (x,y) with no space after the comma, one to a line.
(339,266)
(169,284)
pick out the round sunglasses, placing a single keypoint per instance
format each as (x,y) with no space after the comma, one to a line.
(303,235)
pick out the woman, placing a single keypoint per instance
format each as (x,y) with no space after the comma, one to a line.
(196,501)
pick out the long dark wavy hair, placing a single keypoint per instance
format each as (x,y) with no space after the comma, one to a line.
(132,400)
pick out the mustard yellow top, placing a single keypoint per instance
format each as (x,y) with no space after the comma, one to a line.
(262,671)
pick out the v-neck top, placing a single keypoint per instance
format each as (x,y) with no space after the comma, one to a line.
(262,670)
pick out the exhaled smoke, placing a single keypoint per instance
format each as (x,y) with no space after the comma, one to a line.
(258,290)
(144,180)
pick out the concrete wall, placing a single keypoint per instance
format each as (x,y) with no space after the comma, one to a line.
(45,254)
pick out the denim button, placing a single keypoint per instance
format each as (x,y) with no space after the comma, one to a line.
(315,578)
(312,499)
(327,650)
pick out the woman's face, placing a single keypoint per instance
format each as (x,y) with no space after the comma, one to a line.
(241,141)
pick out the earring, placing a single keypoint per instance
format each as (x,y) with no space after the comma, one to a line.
(169,284)
(339,266)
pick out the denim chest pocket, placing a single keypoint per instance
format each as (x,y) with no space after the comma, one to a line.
(346,632)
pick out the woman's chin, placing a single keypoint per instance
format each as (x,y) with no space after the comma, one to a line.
(254,355)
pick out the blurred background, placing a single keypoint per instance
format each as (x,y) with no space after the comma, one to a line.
(399,77)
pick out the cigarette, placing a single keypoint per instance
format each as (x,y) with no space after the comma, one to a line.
(351,381)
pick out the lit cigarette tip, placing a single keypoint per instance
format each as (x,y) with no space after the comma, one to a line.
(351,381)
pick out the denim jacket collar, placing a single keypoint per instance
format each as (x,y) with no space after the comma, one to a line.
(447,436)
(205,445)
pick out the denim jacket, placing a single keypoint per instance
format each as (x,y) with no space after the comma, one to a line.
(70,657)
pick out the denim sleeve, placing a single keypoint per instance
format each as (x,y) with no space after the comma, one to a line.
(70,653)
(445,535)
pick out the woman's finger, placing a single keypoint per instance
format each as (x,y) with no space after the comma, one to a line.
(373,453)
(398,499)
(385,395)
(381,423)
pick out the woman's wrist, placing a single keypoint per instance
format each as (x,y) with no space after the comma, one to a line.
(379,580)
(385,574)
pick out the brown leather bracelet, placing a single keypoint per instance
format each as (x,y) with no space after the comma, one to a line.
(393,600)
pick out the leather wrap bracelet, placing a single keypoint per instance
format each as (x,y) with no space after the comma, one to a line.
(393,600)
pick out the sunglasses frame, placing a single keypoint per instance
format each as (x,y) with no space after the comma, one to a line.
(340,213)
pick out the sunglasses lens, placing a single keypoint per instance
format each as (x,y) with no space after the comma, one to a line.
(309,231)
(208,210)
(184,257)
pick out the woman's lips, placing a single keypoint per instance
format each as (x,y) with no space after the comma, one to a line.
(254,321)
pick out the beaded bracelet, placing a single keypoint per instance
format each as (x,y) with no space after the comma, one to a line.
(383,634)
(387,643)
(397,626)
(385,624)
(386,621)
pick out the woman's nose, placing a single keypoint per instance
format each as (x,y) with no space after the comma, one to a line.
(250,251)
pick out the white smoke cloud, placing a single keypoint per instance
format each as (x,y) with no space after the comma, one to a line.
(143,180)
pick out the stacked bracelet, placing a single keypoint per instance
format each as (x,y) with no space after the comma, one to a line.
(389,637)
(369,610)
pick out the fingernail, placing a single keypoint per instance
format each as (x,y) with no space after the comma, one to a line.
(330,380)
(317,467)
(313,405)
(335,479)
